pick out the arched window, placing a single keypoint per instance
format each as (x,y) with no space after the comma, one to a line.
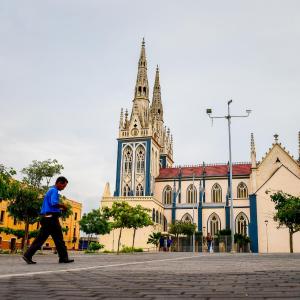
(187,218)
(156,216)
(214,224)
(242,190)
(153,215)
(216,193)
(126,190)
(139,190)
(241,224)
(165,224)
(140,160)
(167,195)
(191,194)
(127,165)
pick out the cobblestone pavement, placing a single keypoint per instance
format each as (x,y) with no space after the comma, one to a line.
(152,276)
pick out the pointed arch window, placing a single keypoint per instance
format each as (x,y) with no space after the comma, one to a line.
(216,193)
(139,190)
(153,215)
(165,224)
(191,194)
(214,224)
(167,195)
(187,218)
(242,190)
(127,160)
(241,224)
(126,190)
(140,159)
(156,217)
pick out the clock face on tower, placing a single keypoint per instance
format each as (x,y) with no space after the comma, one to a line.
(134,132)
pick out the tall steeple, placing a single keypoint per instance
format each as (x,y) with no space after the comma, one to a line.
(141,86)
(253,152)
(156,106)
(299,146)
(141,94)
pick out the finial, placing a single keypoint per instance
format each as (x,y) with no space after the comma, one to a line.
(276,138)
(121,119)
(126,114)
(143,42)
(299,144)
(252,143)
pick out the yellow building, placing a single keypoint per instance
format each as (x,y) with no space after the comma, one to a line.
(71,237)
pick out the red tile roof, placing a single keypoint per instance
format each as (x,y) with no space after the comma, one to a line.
(211,170)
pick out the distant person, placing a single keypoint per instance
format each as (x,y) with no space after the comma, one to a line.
(161,243)
(50,213)
(209,240)
(169,243)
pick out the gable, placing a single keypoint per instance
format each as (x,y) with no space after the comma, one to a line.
(276,157)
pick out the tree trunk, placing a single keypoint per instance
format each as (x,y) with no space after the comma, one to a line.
(26,236)
(119,239)
(134,231)
(291,241)
(177,243)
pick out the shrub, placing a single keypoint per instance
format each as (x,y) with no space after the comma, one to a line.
(94,246)
(126,249)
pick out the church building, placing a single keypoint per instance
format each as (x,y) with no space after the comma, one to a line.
(145,175)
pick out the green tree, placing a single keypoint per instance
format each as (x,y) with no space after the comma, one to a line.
(154,238)
(40,173)
(188,228)
(120,212)
(181,227)
(7,183)
(288,213)
(25,207)
(139,218)
(94,222)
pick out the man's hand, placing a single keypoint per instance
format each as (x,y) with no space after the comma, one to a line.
(63,206)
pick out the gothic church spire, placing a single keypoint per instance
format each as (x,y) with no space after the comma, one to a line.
(156,106)
(141,87)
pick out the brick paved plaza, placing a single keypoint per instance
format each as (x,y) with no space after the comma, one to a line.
(152,276)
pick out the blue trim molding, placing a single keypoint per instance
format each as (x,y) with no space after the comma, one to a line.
(118,174)
(253,232)
(163,161)
(174,205)
(148,174)
(227,217)
(200,210)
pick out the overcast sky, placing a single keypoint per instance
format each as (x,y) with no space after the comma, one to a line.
(67,68)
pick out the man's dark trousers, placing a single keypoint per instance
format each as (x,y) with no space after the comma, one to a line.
(49,226)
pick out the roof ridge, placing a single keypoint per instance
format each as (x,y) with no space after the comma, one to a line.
(207,165)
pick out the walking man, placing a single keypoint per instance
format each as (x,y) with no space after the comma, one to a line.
(50,212)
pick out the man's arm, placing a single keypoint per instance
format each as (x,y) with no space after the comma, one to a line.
(55,201)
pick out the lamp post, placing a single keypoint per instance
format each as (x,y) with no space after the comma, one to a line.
(229,117)
(193,198)
(266,222)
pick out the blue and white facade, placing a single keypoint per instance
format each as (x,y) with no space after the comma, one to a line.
(145,175)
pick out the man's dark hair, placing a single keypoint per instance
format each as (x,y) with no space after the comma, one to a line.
(61,179)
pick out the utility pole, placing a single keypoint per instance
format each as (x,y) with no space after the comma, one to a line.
(229,117)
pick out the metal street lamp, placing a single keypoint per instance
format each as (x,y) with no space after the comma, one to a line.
(266,222)
(193,199)
(228,117)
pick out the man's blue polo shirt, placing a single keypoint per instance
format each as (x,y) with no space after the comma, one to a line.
(51,199)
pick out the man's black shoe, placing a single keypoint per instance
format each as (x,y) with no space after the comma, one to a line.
(65,261)
(29,260)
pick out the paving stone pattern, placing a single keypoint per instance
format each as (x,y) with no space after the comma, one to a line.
(153,276)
